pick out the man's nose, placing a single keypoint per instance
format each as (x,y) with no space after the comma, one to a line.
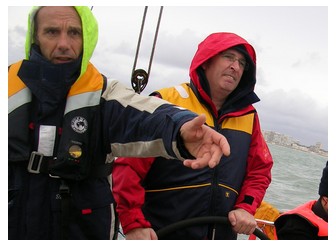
(63,41)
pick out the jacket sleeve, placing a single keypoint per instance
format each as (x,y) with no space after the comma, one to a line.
(258,174)
(127,176)
(141,126)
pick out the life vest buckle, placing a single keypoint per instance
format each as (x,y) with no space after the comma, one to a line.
(35,162)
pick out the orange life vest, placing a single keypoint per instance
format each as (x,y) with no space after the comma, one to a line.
(306,212)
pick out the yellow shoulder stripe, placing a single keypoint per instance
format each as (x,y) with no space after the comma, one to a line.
(14,83)
(242,123)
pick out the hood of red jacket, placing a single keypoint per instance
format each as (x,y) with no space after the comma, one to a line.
(211,46)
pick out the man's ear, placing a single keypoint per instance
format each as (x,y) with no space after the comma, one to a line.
(205,65)
(36,40)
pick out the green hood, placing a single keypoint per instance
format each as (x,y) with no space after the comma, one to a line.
(90,33)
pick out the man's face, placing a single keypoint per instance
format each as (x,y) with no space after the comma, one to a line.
(59,33)
(224,72)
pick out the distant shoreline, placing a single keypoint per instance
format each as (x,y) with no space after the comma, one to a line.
(288,141)
(323,153)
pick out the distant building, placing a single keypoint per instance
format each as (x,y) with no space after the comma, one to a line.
(288,141)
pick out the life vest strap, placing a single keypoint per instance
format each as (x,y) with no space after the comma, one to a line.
(38,163)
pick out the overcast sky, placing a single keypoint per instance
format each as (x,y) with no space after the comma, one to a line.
(291,45)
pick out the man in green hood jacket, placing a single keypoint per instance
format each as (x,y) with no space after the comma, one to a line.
(67,122)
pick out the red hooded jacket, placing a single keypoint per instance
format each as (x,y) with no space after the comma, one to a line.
(155,192)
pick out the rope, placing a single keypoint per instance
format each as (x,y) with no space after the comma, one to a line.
(154,42)
(140,36)
(140,77)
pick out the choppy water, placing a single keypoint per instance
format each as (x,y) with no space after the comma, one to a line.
(295,177)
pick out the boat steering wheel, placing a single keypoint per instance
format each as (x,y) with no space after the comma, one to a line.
(164,232)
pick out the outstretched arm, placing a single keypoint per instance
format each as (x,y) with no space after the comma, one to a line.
(204,143)
(147,126)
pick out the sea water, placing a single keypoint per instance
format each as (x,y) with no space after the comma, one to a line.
(296,177)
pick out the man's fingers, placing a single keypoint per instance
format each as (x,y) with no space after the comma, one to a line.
(200,162)
(222,142)
(195,164)
(215,157)
(199,120)
(191,164)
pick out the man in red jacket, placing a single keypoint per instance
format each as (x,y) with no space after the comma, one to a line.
(152,193)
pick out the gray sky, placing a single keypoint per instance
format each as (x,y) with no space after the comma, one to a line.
(291,45)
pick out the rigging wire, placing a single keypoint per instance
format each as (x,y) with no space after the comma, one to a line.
(139,78)
(140,37)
